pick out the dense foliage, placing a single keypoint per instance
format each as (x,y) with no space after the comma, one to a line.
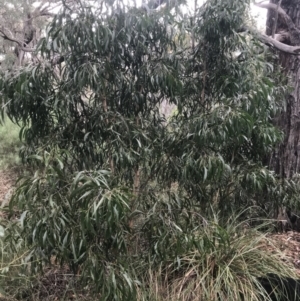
(113,177)
(98,101)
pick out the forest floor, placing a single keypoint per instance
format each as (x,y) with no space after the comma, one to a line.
(289,244)
(7,181)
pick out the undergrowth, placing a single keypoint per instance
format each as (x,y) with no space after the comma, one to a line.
(216,262)
(10,144)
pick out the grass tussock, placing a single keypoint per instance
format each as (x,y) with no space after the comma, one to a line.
(224,263)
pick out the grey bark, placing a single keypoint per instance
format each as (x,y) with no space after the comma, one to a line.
(286,159)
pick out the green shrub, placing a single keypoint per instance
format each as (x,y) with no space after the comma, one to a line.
(80,220)
(105,159)
(165,250)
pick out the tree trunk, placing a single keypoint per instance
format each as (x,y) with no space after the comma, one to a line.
(286,159)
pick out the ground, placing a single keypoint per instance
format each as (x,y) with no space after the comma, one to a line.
(289,244)
(7,180)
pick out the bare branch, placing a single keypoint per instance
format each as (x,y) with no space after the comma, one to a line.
(295,50)
(42,10)
(276,43)
(282,36)
(14,40)
(282,13)
(276,19)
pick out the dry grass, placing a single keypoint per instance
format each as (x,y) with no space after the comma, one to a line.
(219,270)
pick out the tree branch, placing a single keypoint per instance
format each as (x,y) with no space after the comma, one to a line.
(282,36)
(290,24)
(295,50)
(276,19)
(42,10)
(14,40)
